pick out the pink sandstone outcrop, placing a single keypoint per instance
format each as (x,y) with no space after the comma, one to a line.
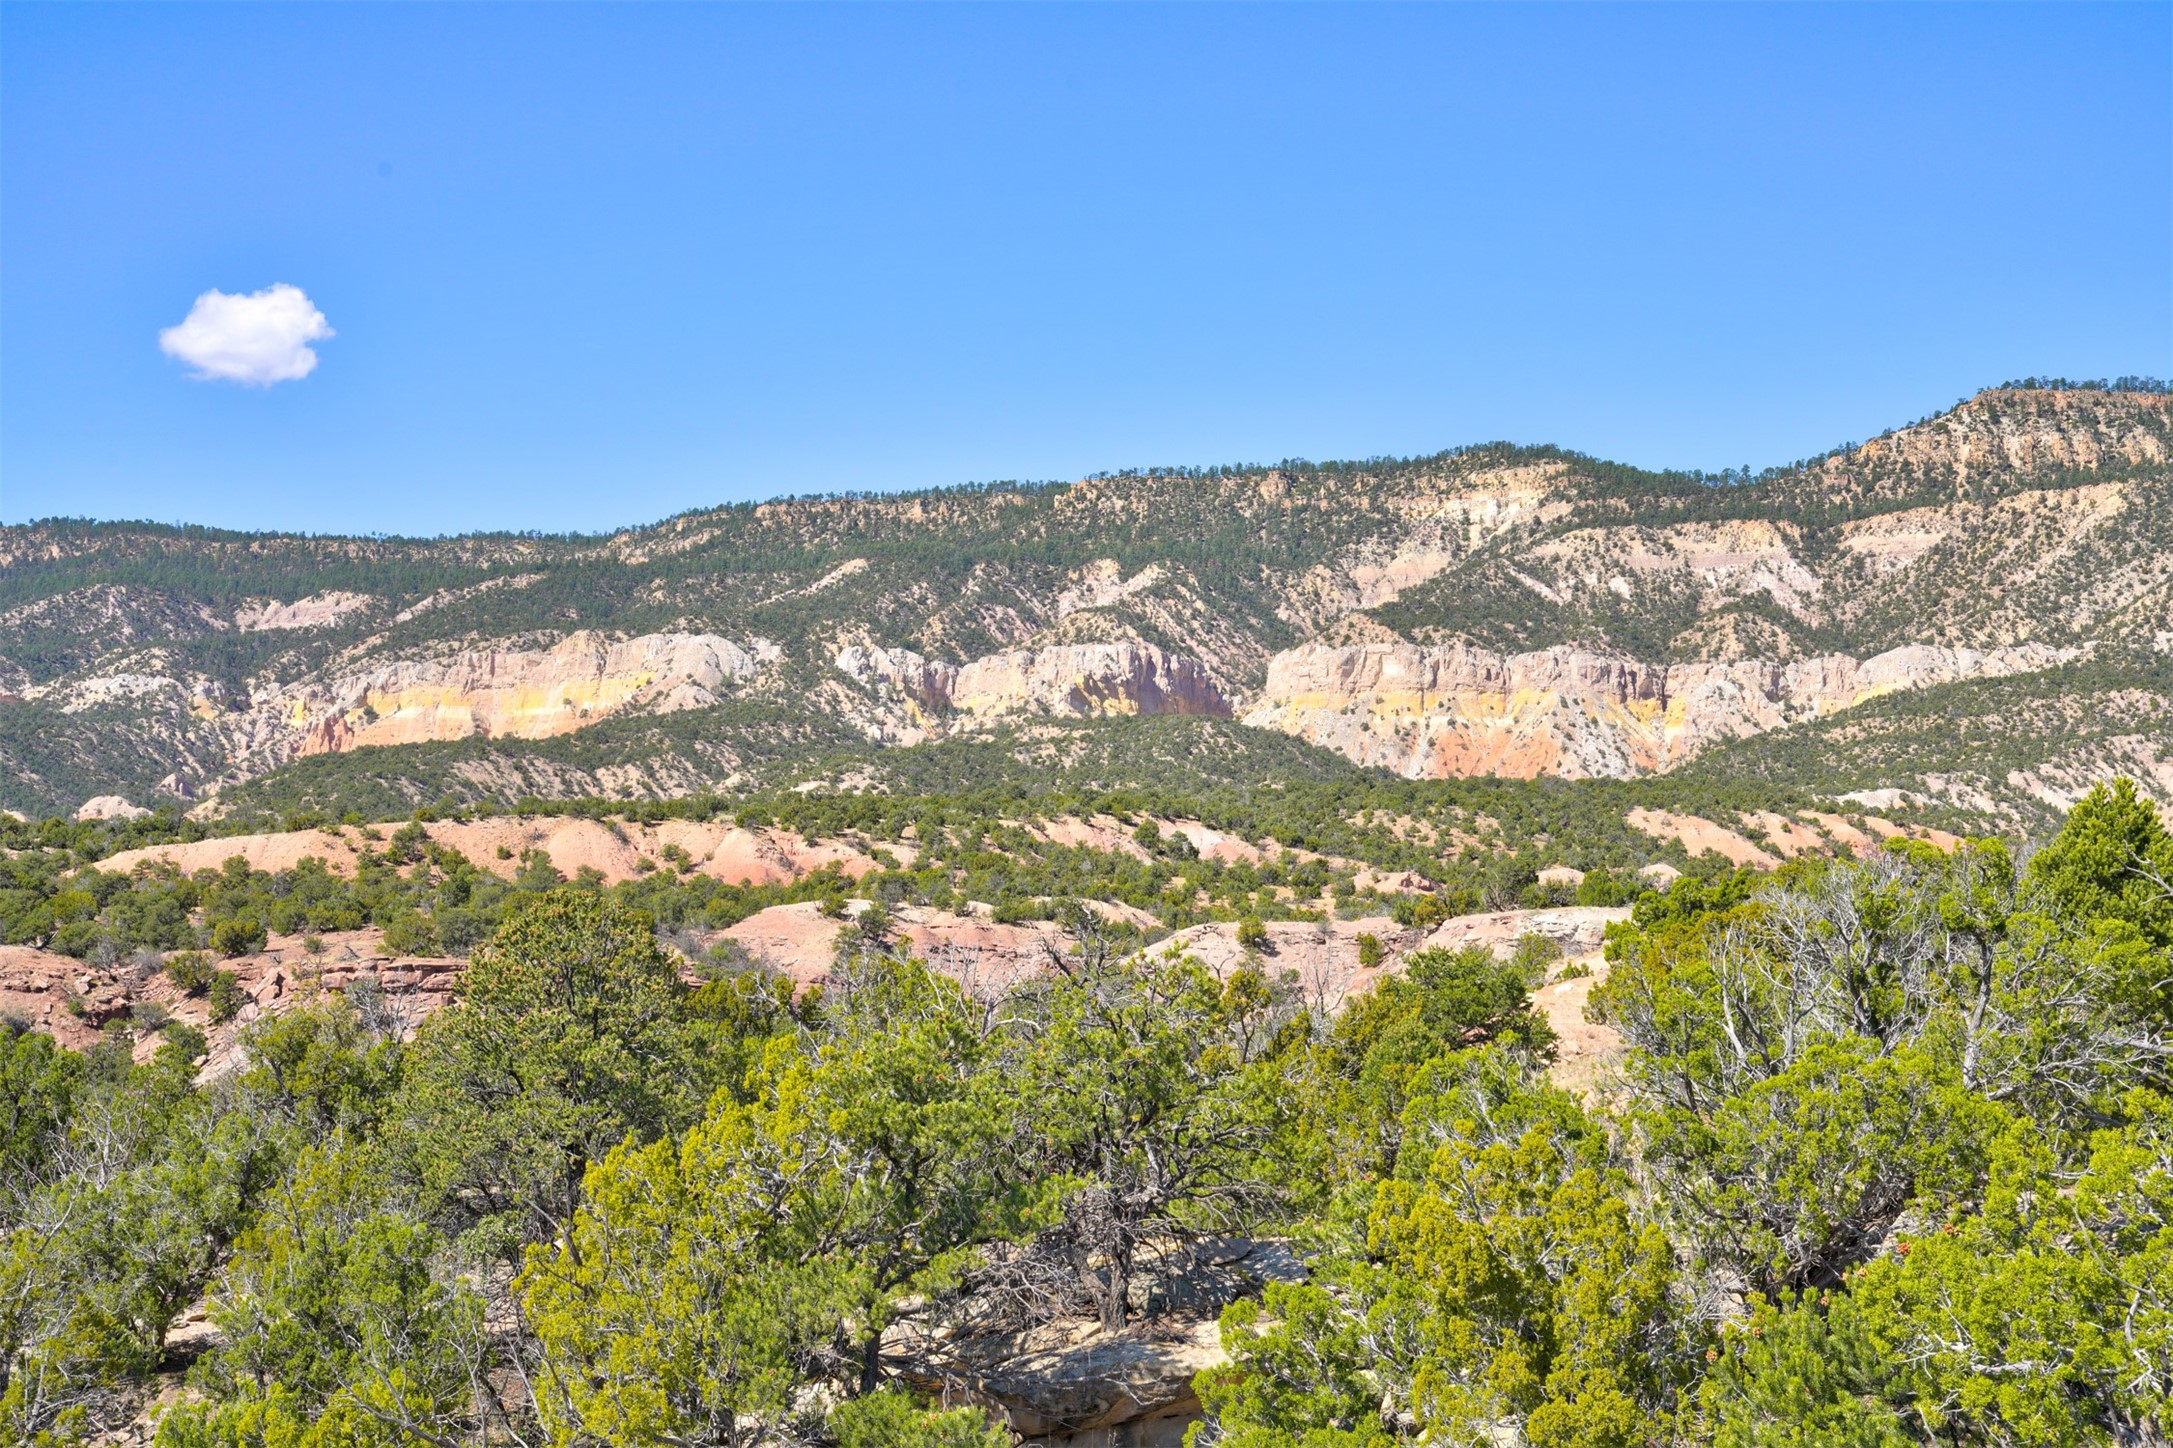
(616,850)
(1321,958)
(71,999)
(1320,961)
(1814,833)
(109,807)
(800,942)
(1699,836)
(1436,711)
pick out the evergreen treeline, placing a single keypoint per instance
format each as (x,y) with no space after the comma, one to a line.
(1887,1162)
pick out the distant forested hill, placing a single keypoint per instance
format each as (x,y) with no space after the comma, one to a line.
(1973,612)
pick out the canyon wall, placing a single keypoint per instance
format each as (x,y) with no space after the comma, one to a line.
(1092,680)
(521,694)
(1430,712)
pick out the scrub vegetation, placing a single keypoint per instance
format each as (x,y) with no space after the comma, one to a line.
(1886,1161)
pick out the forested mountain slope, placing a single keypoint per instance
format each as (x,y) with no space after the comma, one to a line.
(1494,610)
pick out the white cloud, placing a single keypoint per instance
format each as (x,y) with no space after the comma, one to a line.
(256,339)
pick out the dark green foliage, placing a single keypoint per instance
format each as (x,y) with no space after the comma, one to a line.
(238,935)
(568,1034)
(225,997)
(37,1090)
(956,573)
(2113,860)
(1947,747)
(1469,997)
(1605,887)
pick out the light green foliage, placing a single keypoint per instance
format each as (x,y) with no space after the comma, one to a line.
(1469,997)
(2042,1318)
(321,1064)
(905,1086)
(1808,1060)
(695,1277)
(894,1420)
(1605,887)
(1152,1094)
(1808,1374)
(155,1180)
(1887,1161)
(2113,860)
(191,971)
(1443,1002)
(243,935)
(2047,1316)
(1801,1173)
(1503,1278)
(336,1328)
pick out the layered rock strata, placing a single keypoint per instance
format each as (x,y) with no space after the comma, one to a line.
(1087,680)
(1448,710)
(523,694)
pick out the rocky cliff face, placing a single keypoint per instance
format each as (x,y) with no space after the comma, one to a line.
(1430,712)
(1076,681)
(1087,680)
(520,694)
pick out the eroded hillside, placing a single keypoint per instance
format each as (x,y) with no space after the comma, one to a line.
(1497,610)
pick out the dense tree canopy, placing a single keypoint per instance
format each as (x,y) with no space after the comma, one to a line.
(1886,1159)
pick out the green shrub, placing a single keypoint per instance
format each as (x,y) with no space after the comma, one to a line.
(191,971)
(1532,955)
(1606,889)
(1545,895)
(892,1419)
(226,997)
(410,934)
(1419,912)
(182,1040)
(243,935)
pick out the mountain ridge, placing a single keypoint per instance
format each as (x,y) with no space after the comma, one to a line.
(2023,529)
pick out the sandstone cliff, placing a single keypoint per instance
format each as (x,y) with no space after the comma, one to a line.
(522,694)
(1095,680)
(1435,711)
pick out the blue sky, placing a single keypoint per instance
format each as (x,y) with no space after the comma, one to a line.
(592,266)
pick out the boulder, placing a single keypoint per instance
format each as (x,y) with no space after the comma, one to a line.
(1070,1383)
